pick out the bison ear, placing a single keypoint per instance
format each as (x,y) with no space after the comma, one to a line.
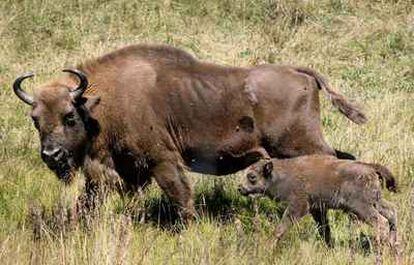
(267,169)
(91,102)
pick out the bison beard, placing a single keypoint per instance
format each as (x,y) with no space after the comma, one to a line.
(163,112)
(62,167)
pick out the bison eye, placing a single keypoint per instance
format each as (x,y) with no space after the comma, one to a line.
(252,178)
(69,119)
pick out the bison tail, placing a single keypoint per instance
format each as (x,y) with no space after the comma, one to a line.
(386,176)
(347,108)
(350,110)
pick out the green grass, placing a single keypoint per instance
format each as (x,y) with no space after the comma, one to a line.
(366,48)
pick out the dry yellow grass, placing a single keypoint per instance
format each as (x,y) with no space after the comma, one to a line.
(366,48)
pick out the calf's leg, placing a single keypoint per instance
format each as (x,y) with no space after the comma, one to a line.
(321,218)
(296,210)
(387,210)
(371,216)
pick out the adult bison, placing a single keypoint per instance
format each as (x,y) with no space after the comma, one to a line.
(149,110)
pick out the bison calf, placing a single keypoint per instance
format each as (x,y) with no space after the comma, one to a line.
(313,184)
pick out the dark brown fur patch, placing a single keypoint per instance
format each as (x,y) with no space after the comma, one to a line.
(247,124)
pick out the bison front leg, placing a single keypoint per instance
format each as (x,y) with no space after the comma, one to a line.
(100,179)
(92,196)
(170,177)
(86,203)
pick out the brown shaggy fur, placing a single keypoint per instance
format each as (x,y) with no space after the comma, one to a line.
(154,110)
(313,184)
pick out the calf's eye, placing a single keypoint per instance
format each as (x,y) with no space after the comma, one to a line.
(251,177)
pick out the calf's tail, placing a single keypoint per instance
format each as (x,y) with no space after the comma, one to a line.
(385,176)
(350,110)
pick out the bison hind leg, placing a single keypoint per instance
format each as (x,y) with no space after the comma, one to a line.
(172,180)
(321,218)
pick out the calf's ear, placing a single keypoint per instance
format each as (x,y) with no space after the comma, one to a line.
(267,169)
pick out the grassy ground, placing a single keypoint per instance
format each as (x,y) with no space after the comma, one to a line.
(366,48)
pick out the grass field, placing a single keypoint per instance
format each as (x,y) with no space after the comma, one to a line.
(366,48)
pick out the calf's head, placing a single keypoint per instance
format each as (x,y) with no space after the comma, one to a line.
(61,115)
(257,179)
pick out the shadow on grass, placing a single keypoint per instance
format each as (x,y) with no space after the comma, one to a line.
(215,204)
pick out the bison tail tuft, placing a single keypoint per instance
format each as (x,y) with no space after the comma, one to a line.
(386,176)
(350,110)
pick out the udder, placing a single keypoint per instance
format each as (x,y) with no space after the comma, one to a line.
(220,163)
(230,156)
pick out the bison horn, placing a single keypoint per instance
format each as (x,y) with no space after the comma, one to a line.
(26,98)
(82,85)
